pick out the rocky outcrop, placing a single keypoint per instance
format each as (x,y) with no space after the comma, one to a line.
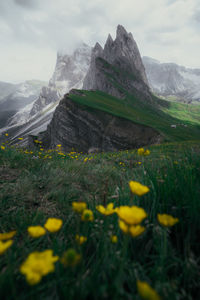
(118,68)
(169,79)
(84,129)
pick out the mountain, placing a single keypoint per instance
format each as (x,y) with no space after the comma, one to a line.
(119,61)
(20,96)
(173,81)
(69,72)
(85,129)
(118,71)
(6,89)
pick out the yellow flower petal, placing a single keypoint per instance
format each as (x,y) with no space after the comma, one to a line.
(167,220)
(140,151)
(38,264)
(123,226)
(131,215)
(79,206)
(5,245)
(108,210)
(136,230)
(87,215)
(81,239)
(146,291)
(7,235)
(53,224)
(36,231)
(137,188)
(114,239)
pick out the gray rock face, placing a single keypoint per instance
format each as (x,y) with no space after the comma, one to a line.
(74,126)
(169,79)
(69,73)
(120,55)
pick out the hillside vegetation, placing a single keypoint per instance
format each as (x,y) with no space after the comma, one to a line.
(110,264)
(159,114)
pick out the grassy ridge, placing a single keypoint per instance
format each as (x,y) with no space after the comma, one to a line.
(34,188)
(159,115)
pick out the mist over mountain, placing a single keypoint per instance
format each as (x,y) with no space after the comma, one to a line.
(6,89)
(69,72)
(17,98)
(171,80)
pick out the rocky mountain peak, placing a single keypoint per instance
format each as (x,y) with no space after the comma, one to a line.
(122,53)
(97,50)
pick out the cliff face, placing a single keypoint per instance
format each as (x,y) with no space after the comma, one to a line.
(85,129)
(119,61)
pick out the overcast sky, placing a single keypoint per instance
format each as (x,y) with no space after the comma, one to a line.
(31,31)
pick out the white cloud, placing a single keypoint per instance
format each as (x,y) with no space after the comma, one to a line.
(33,30)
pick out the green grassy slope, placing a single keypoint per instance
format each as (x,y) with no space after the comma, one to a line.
(34,188)
(160,114)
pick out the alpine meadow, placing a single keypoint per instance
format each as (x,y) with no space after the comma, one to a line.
(99,179)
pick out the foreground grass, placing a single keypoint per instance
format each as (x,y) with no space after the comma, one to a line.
(41,185)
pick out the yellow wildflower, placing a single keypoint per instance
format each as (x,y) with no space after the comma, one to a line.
(167,220)
(7,235)
(137,188)
(108,210)
(20,139)
(133,230)
(87,215)
(131,215)
(81,239)
(85,159)
(79,206)
(146,152)
(5,245)
(6,134)
(70,258)
(3,148)
(59,145)
(36,231)
(114,239)
(37,265)
(53,224)
(123,226)
(146,291)
(140,151)
(136,230)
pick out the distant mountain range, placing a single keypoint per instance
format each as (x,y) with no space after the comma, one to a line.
(173,81)
(28,108)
